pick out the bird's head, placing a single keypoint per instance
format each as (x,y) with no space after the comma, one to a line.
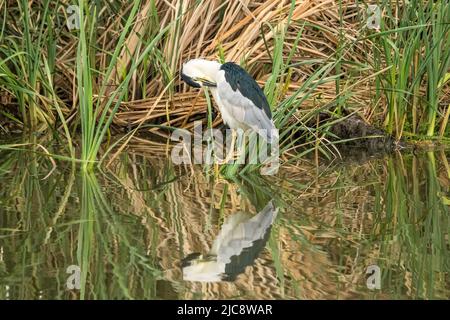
(197,267)
(200,73)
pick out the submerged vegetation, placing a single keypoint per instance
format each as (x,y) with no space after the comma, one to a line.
(117,66)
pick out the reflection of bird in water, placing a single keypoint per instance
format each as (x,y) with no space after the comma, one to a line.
(238,244)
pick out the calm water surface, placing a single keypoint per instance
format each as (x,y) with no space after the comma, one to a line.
(146,229)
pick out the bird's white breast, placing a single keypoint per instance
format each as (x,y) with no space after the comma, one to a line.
(225,109)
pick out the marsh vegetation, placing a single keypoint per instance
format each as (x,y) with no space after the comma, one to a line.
(90,96)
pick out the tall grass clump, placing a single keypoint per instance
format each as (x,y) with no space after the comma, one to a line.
(28,63)
(96,117)
(414,43)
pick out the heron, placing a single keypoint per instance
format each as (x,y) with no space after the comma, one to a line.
(239,242)
(240,100)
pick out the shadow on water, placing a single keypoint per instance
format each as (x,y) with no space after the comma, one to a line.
(147,229)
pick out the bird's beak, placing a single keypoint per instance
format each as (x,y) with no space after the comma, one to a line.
(189,259)
(197,82)
(189,81)
(208,83)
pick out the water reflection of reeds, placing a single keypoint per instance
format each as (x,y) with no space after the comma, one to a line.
(130,227)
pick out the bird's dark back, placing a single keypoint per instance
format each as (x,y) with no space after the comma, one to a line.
(240,80)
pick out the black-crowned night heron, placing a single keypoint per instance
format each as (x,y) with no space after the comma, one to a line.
(241,101)
(237,245)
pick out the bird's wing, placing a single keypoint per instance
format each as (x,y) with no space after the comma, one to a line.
(227,230)
(241,232)
(244,110)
